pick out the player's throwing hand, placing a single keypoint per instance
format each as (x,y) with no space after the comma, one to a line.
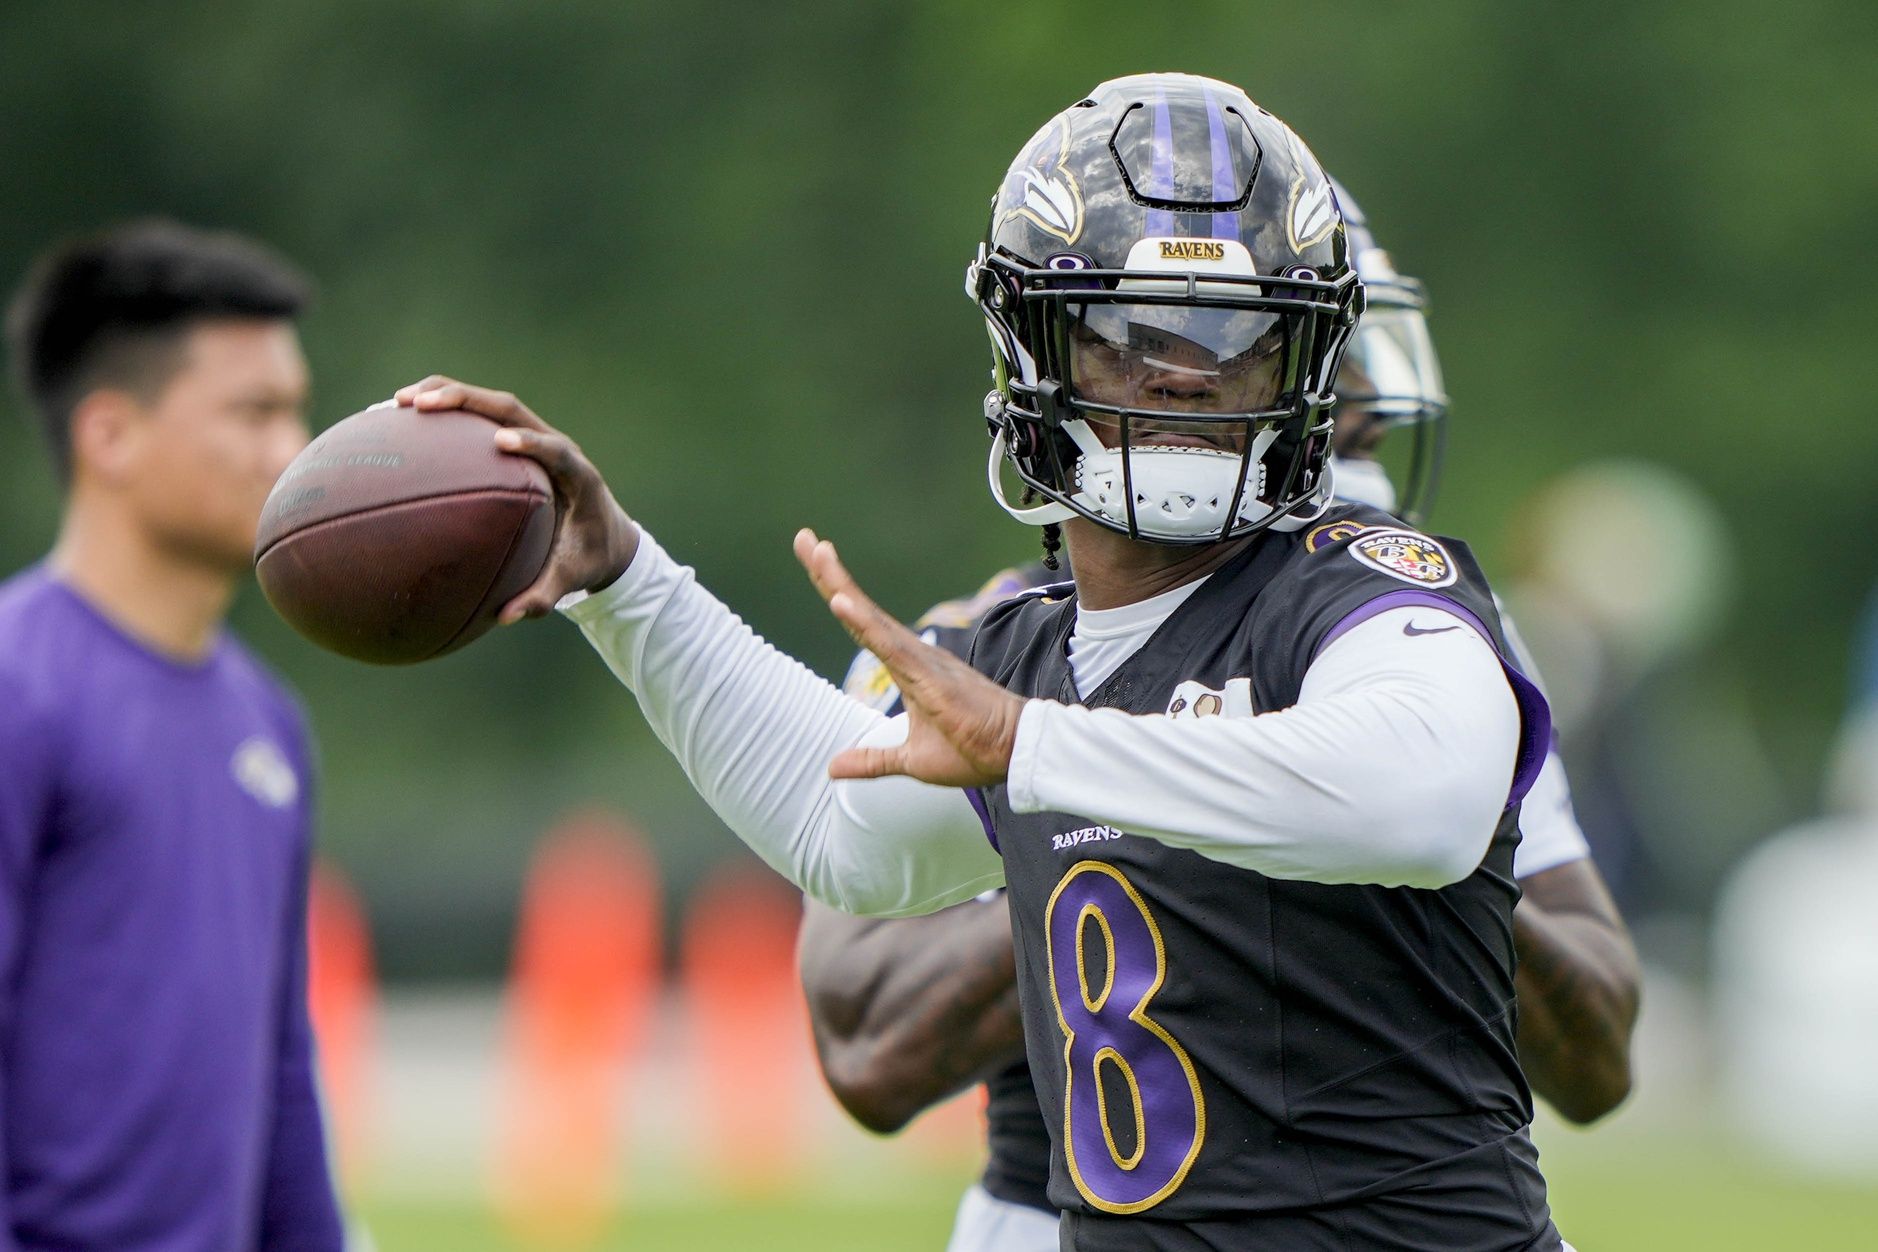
(962,725)
(594,540)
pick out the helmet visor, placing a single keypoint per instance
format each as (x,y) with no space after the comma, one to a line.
(1390,368)
(1178,358)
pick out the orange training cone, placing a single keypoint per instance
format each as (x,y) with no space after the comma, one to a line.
(342,999)
(749,1025)
(585,973)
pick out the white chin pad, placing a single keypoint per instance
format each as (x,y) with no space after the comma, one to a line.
(1031,515)
(1179,493)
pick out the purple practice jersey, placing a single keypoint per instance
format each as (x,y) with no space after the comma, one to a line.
(156,1083)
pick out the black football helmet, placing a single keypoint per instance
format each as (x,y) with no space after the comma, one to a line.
(1169,289)
(1390,379)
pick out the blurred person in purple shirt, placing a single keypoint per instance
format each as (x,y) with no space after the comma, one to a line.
(156,1073)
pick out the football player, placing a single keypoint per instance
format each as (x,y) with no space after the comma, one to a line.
(908,1011)
(1252,781)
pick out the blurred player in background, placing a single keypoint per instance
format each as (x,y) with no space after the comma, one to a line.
(1253,782)
(906,1012)
(156,1069)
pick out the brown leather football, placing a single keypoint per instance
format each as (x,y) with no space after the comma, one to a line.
(397,536)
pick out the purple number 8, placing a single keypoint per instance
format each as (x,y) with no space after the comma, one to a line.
(1109,1025)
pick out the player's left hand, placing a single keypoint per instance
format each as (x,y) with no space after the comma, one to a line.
(963,725)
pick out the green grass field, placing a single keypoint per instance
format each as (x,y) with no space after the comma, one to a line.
(1635,1194)
(1611,1192)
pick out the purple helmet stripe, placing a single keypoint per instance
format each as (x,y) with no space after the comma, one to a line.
(1225,186)
(1161,170)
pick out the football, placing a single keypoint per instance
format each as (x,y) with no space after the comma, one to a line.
(397,536)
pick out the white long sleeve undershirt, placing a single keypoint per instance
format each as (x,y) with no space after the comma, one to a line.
(1392,767)
(754,730)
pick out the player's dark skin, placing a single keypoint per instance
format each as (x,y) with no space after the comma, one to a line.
(1577,988)
(908,1012)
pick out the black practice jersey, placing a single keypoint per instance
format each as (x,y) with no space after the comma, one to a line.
(1227,1060)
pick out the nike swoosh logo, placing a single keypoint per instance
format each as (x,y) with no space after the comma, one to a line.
(1409,628)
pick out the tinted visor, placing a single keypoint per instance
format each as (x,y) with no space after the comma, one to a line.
(1179,358)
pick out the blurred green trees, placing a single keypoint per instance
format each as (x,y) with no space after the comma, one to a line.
(721,244)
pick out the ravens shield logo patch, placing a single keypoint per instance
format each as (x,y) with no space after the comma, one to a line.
(1405,554)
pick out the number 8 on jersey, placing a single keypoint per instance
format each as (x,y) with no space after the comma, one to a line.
(1122,1159)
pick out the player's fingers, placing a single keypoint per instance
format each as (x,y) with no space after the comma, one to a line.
(558,577)
(538,601)
(868,762)
(447,394)
(830,576)
(813,553)
(823,567)
(500,407)
(503,407)
(407,394)
(872,626)
(804,546)
(562,574)
(555,452)
(898,648)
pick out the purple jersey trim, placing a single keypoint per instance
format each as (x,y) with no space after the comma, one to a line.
(984,816)
(1535,720)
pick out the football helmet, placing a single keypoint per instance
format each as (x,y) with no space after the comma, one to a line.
(1168,289)
(1390,379)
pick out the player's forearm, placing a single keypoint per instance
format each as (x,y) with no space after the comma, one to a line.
(1392,771)
(908,1012)
(755,729)
(1577,985)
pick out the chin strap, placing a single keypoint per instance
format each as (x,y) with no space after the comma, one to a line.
(1034,515)
(1326,496)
